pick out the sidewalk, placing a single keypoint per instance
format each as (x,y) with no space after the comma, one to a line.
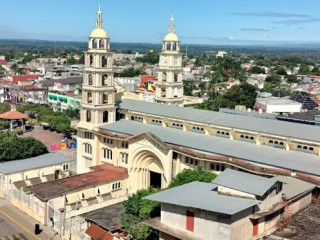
(25,223)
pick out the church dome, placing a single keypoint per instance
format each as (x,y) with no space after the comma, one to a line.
(171,37)
(98,33)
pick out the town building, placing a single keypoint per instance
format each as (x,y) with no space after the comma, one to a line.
(235,206)
(16,175)
(125,145)
(277,105)
(61,102)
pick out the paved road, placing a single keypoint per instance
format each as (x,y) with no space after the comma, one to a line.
(14,224)
(7,228)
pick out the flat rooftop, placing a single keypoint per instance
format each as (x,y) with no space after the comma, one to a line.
(261,125)
(202,196)
(277,101)
(41,161)
(250,152)
(101,174)
(108,217)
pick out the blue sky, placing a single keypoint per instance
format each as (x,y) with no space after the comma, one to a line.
(227,22)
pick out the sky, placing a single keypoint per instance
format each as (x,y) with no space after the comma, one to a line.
(214,22)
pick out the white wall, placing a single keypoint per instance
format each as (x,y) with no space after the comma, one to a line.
(207,225)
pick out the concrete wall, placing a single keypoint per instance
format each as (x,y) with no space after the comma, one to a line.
(232,192)
(207,225)
(301,203)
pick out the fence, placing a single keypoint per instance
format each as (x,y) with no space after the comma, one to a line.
(23,200)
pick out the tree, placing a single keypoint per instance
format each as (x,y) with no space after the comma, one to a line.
(4,125)
(59,119)
(292,79)
(213,103)
(269,87)
(138,210)
(151,58)
(241,76)
(71,60)
(243,94)
(274,79)
(281,71)
(4,107)
(188,87)
(256,70)
(13,148)
(188,175)
(304,69)
(315,71)
(131,72)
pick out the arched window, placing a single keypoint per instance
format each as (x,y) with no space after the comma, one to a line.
(175,92)
(168,46)
(91,60)
(104,61)
(175,77)
(104,79)
(164,76)
(87,148)
(90,79)
(101,43)
(107,153)
(105,98)
(88,116)
(105,116)
(89,97)
(124,157)
(94,43)
(163,92)
(174,46)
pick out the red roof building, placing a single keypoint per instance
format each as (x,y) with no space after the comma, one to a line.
(145,79)
(3,62)
(98,233)
(101,174)
(16,79)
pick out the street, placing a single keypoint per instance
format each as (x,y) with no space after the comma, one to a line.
(15,224)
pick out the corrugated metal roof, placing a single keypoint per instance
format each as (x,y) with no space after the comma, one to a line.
(244,182)
(202,196)
(262,154)
(268,126)
(293,187)
(32,163)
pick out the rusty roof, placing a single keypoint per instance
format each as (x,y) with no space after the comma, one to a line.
(101,174)
(97,233)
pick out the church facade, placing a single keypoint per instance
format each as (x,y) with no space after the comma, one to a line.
(156,141)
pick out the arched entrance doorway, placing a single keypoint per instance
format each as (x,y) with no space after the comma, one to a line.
(147,170)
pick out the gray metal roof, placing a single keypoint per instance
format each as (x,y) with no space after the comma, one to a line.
(32,163)
(244,182)
(261,154)
(268,126)
(294,187)
(246,113)
(202,196)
